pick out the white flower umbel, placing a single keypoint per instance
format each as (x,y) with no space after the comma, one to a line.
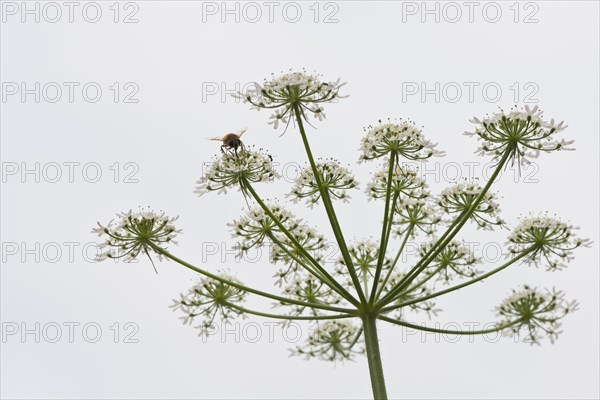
(332,341)
(309,289)
(335,178)
(454,260)
(230,170)
(363,285)
(538,313)
(411,293)
(256,225)
(365,255)
(405,182)
(210,299)
(286,252)
(136,233)
(403,138)
(546,240)
(292,90)
(418,214)
(522,132)
(459,198)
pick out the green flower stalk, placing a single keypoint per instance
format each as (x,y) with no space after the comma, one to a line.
(371,283)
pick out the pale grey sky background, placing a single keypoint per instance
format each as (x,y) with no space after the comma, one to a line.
(163,82)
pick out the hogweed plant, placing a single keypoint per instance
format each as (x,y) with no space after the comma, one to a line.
(368,284)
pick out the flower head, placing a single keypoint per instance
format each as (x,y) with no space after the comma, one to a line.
(364,255)
(405,182)
(455,259)
(286,252)
(290,92)
(523,133)
(413,292)
(136,233)
(230,170)
(335,179)
(210,299)
(538,313)
(459,198)
(415,214)
(332,341)
(256,225)
(403,138)
(309,289)
(545,240)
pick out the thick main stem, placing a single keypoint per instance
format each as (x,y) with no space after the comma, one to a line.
(374,357)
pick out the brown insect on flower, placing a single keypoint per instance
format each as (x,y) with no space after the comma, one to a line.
(231,142)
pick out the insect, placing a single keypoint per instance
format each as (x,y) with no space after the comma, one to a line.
(231,142)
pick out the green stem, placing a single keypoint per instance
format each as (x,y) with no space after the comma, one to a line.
(462,285)
(446,331)
(374,357)
(423,281)
(248,289)
(288,317)
(384,229)
(439,246)
(398,254)
(337,231)
(365,278)
(358,335)
(307,267)
(340,289)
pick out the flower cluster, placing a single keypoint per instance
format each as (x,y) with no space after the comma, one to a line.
(523,133)
(290,92)
(364,255)
(335,179)
(256,225)
(309,289)
(402,138)
(415,214)
(332,341)
(545,240)
(535,312)
(455,259)
(231,170)
(415,291)
(459,198)
(135,233)
(405,182)
(210,299)
(286,252)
